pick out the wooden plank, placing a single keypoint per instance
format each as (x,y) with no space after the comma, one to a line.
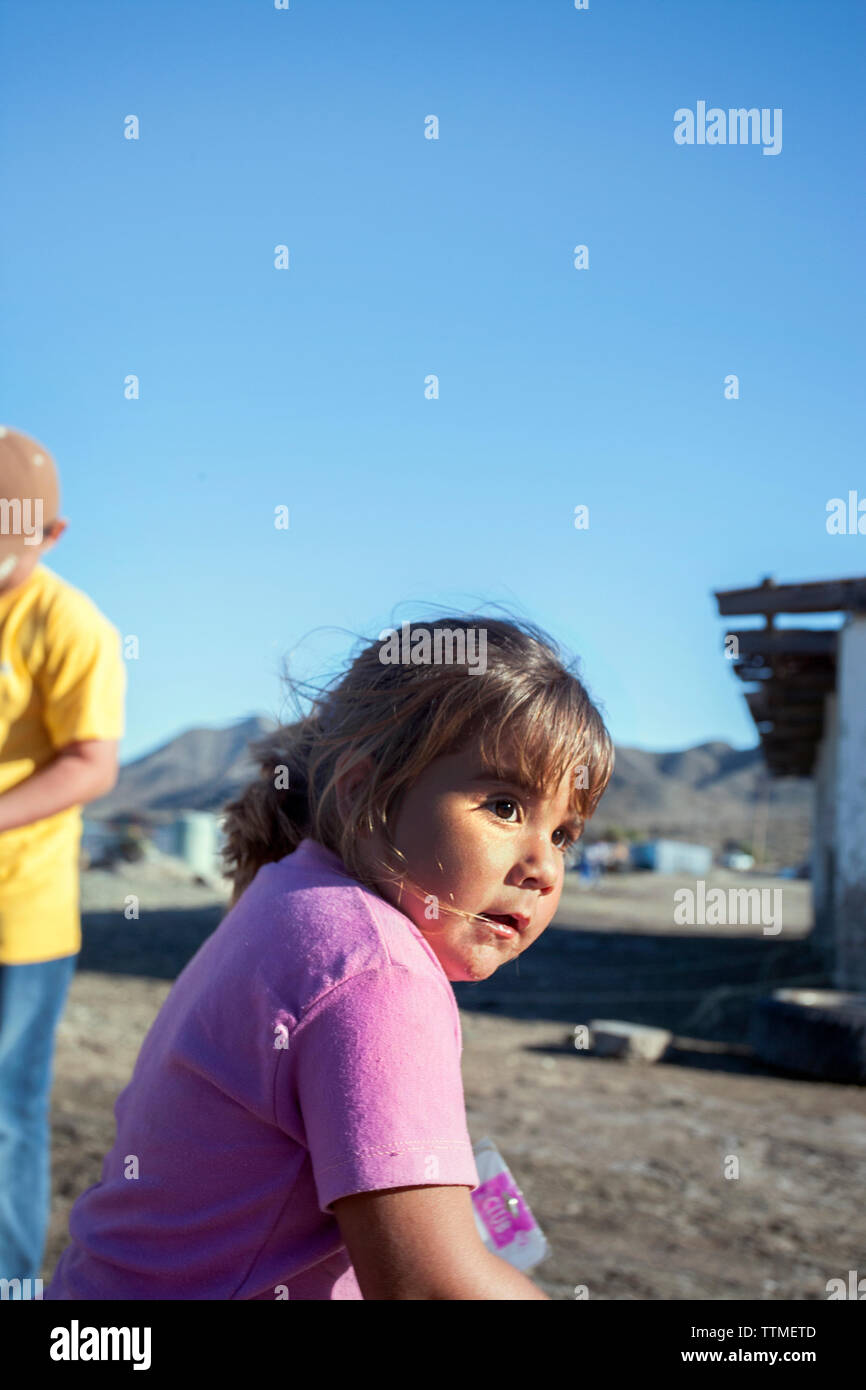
(790,664)
(792,767)
(785,641)
(823,596)
(804,685)
(795,749)
(765,704)
(793,732)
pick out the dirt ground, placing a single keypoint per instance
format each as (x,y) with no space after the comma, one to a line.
(623,1165)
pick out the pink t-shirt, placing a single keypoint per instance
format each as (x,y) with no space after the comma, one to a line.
(310,1049)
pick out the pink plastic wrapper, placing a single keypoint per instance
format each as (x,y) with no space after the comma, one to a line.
(504,1221)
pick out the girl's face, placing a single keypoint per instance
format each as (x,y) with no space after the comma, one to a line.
(487,846)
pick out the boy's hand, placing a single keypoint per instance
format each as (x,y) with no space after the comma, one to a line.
(81,772)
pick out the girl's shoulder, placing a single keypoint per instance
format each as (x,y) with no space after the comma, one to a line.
(325,927)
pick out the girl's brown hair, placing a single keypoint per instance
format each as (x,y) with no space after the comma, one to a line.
(531,714)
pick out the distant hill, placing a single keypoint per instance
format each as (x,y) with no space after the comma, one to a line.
(709,793)
(197,771)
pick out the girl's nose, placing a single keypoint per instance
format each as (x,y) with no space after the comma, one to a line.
(537,864)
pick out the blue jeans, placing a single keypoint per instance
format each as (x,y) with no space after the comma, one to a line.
(32,998)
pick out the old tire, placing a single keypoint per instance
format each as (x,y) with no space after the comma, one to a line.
(819,1033)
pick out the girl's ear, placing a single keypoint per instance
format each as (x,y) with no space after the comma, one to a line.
(349,783)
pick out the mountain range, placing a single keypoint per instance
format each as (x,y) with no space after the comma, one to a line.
(710,793)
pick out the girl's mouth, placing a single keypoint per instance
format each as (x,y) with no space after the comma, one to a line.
(503,923)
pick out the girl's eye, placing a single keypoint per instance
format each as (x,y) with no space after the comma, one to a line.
(567,839)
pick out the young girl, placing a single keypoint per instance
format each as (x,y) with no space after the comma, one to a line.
(295,1123)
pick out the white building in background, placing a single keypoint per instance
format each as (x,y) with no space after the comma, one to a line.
(737,860)
(196,837)
(809,706)
(672,857)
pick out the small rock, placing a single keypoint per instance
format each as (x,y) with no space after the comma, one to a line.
(634,1042)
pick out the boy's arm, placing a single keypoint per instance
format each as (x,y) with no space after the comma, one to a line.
(81,772)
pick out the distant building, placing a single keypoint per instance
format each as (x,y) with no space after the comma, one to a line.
(672,857)
(196,837)
(608,856)
(809,706)
(737,859)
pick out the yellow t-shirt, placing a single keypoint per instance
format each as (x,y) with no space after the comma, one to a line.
(62,678)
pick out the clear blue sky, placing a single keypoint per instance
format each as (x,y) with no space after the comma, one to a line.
(453,256)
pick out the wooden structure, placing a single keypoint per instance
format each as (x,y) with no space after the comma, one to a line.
(794,668)
(809,706)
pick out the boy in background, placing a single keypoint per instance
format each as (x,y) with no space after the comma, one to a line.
(62,688)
